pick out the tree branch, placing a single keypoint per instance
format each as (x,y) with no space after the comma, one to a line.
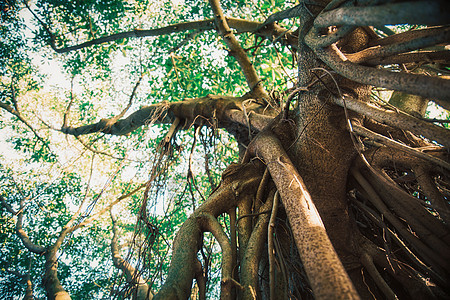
(414,57)
(223,108)
(17,114)
(378,52)
(430,12)
(237,181)
(418,84)
(253,80)
(19,230)
(211,224)
(240,25)
(7,206)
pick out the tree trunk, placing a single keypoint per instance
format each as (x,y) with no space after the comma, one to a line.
(50,280)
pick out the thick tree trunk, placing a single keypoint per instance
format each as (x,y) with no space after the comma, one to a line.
(50,280)
(323,151)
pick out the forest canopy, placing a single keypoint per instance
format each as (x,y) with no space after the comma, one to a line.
(224,149)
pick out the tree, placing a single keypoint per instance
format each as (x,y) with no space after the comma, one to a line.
(337,194)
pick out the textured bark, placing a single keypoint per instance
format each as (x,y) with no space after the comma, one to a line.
(50,280)
(325,271)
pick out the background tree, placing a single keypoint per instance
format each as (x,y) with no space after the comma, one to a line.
(330,191)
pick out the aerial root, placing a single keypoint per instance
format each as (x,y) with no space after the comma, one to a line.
(270,243)
(367,262)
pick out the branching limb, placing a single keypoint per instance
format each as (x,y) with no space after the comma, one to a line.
(415,57)
(32,247)
(240,25)
(253,80)
(237,181)
(223,108)
(210,223)
(378,52)
(105,125)
(407,36)
(19,116)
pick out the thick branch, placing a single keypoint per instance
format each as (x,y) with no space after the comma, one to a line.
(211,224)
(379,52)
(407,36)
(414,57)
(19,230)
(253,80)
(7,206)
(423,12)
(239,24)
(208,24)
(237,181)
(418,84)
(225,109)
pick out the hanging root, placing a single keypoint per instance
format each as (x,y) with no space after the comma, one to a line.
(403,213)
